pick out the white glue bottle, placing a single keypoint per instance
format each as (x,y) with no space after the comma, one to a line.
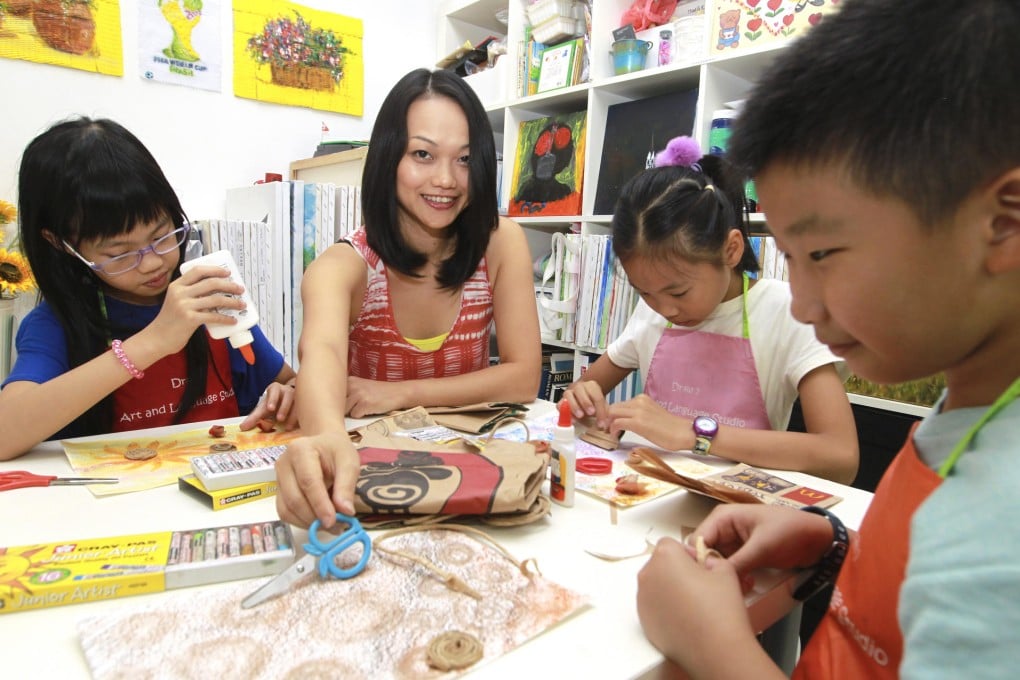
(238,334)
(563,460)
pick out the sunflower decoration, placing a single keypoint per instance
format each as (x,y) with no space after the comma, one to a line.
(15,274)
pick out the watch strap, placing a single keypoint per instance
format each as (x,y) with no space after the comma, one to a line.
(702,444)
(828,567)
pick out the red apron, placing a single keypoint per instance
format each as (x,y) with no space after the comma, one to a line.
(153,400)
(860,634)
(694,373)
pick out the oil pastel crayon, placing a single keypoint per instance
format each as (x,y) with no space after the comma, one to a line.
(198,546)
(246,546)
(234,542)
(281,536)
(268,537)
(175,548)
(222,543)
(185,554)
(256,538)
(210,545)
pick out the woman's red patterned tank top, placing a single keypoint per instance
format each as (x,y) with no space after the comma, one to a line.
(377,350)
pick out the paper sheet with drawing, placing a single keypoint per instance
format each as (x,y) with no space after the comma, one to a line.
(604,486)
(145,462)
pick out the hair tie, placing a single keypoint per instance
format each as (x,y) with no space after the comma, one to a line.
(710,187)
(683,151)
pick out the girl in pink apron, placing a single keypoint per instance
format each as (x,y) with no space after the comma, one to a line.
(720,355)
(117,342)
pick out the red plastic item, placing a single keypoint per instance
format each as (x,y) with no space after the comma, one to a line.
(594,466)
(566,416)
(647,13)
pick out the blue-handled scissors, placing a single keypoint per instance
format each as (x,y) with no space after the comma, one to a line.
(324,553)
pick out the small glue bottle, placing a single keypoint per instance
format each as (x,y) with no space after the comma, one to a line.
(562,463)
(238,334)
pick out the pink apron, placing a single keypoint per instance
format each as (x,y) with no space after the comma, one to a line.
(695,373)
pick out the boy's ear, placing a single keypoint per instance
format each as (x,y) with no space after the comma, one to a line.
(1004,245)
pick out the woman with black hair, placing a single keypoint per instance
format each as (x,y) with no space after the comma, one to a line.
(400,314)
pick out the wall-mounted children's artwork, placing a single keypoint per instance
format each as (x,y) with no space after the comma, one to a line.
(549,166)
(744,24)
(635,130)
(290,54)
(81,34)
(179,42)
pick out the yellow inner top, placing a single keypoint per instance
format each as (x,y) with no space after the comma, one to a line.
(428,344)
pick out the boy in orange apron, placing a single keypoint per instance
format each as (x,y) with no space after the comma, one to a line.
(904,253)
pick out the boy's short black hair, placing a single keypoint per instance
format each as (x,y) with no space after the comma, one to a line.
(913,98)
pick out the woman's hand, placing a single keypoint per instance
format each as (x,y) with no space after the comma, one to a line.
(316,477)
(277,404)
(643,416)
(371,397)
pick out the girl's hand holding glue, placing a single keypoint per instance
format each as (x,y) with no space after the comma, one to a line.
(192,300)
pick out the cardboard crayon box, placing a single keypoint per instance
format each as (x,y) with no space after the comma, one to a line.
(88,570)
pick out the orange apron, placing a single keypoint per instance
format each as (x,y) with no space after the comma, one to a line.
(860,634)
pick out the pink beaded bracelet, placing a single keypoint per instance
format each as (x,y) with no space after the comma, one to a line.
(129,366)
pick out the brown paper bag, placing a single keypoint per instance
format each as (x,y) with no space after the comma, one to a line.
(475,418)
(406,481)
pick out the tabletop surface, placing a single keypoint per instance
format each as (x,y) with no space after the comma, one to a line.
(604,640)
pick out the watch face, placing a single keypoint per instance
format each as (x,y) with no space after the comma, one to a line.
(705,426)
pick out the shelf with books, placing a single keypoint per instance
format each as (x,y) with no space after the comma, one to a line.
(720,73)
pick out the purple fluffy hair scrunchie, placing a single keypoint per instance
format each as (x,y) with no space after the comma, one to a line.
(681,150)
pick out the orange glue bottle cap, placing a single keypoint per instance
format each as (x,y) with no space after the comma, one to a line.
(241,341)
(565,419)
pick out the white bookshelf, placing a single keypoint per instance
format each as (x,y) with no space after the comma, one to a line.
(719,80)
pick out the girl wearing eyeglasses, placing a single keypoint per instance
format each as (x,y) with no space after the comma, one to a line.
(117,342)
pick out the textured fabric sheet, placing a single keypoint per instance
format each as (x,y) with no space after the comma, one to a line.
(377,625)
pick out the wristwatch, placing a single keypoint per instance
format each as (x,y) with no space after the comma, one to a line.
(705,429)
(828,567)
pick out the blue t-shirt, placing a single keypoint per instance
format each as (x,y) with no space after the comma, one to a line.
(42,353)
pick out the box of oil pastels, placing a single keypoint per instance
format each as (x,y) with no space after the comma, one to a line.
(88,570)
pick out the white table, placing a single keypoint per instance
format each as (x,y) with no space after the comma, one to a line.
(603,641)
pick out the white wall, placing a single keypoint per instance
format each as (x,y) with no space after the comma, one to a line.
(206,141)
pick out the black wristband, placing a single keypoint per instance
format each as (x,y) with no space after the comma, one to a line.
(828,567)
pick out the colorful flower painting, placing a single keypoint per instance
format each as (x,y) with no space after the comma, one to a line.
(289,54)
(80,34)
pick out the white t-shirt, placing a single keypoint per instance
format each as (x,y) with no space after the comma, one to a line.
(785,350)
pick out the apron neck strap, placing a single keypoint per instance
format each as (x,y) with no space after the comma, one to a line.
(1011,393)
(743,297)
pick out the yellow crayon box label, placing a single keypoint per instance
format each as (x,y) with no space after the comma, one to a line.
(93,569)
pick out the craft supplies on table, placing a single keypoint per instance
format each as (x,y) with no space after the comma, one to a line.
(21,479)
(90,569)
(231,468)
(225,498)
(321,557)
